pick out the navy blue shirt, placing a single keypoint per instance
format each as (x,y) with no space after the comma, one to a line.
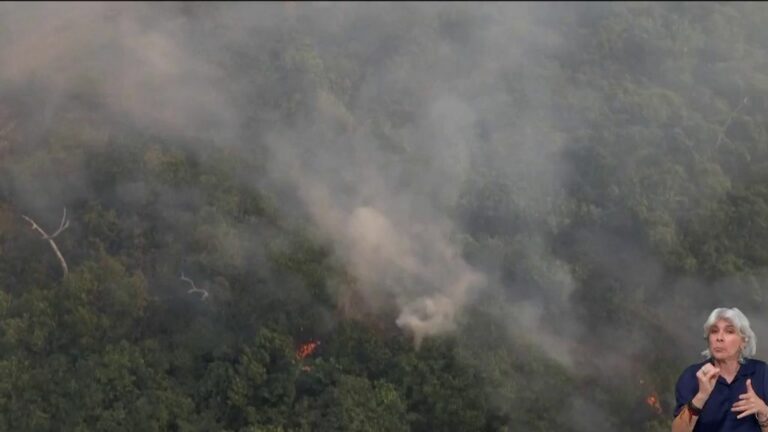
(716,415)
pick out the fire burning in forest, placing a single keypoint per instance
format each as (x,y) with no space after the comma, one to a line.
(306,349)
(653,401)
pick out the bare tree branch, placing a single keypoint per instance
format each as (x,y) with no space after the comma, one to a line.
(194,288)
(730,119)
(62,226)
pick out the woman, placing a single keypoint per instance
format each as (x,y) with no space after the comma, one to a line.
(726,392)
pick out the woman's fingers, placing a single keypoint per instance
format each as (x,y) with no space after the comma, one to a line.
(708,374)
(741,405)
(744,410)
(746,406)
(708,371)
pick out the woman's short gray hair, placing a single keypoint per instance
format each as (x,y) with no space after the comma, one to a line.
(740,321)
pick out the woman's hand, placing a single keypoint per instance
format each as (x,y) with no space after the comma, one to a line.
(707,377)
(750,403)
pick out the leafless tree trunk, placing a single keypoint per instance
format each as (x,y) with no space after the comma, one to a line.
(62,226)
(194,288)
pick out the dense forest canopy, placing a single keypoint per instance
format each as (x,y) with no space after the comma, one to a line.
(373,216)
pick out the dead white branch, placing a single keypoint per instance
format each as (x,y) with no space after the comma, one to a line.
(194,288)
(62,226)
(730,119)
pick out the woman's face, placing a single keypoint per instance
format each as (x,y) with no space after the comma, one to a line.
(725,341)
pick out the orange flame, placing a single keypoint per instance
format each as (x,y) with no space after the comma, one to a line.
(305,350)
(653,401)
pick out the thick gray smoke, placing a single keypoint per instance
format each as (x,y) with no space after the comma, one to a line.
(385,200)
(396,238)
(142,60)
(387,209)
(391,211)
(162,69)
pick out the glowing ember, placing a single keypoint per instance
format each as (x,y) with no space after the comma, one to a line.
(653,401)
(306,349)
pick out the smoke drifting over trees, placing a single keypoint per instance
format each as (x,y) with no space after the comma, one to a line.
(487,213)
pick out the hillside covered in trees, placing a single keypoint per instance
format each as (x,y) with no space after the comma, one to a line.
(349,217)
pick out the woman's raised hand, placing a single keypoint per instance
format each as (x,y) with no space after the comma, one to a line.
(750,403)
(707,377)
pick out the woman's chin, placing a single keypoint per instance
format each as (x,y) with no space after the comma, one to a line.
(722,356)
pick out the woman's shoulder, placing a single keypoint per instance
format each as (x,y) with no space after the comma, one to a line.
(757,363)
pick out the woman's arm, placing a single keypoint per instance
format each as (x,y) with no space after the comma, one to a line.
(686,420)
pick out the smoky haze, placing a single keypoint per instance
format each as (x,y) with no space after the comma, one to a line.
(168,70)
(383,160)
